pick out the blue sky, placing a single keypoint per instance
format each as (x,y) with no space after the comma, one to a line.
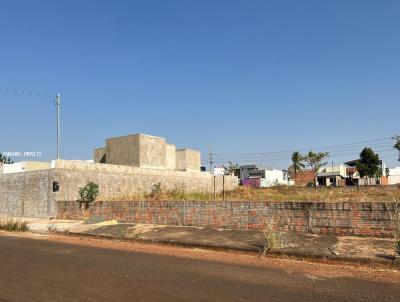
(241,76)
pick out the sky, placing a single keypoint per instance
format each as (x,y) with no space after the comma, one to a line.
(252,80)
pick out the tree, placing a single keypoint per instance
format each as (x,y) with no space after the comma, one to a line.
(88,194)
(297,164)
(396,145)
(5,159)
(315,162)
(369,165)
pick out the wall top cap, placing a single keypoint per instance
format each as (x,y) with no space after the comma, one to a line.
(136,134)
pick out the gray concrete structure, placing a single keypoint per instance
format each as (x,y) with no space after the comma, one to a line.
(171,157)
(27,194)
(30,194)
(138,150)
(187,160)
(99,155)
(147,151)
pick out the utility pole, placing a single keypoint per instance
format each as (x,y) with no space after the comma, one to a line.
(210,159)
(57,103)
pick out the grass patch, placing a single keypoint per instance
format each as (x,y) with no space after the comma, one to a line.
(14,226)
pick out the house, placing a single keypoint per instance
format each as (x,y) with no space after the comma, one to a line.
(354,178)
(303,178)
(332,176)
(251,175)
(243,172)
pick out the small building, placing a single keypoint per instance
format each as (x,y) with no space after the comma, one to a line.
(304,178)
(243,172)
(251,175)
(354,179)
(147,151)
(332,176)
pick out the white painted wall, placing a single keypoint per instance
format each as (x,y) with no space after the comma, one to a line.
(23,166)
(394,176)
(274,177)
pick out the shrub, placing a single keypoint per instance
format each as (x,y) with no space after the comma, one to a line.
(88,194)
(273,239)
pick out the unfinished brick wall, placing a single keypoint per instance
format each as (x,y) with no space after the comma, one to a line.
(360,219)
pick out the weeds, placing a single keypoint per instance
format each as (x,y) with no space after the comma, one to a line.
(274,194)
(14,226)
(51,228)
(126,234)
(272,240)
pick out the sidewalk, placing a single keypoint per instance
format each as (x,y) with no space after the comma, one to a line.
(349,248)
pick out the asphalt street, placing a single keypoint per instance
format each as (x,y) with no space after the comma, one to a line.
(43,268)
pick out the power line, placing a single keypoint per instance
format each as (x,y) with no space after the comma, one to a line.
(302,149)
(25,92)
(280,159)
(286,155)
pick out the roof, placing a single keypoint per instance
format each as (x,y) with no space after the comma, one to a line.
(351,163)
(328,174)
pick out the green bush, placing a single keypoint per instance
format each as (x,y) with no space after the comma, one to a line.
(88,194)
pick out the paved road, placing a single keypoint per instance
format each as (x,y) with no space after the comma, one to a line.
(59,269)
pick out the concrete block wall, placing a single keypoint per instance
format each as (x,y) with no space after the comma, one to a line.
(188,160)
(27,194)
(375,219)
(99,155)
(119,182)
(171,158)
(30,194)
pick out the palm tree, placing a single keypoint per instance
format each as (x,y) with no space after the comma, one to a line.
(297,164)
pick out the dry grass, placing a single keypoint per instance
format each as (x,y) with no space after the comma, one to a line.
(279,193)
(14,226)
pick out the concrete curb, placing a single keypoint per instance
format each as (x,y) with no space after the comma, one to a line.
(275,253)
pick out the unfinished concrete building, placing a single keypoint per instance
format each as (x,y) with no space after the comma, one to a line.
(147,151)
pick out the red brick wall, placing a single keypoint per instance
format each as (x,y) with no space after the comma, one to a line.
(304,177)
(360,219)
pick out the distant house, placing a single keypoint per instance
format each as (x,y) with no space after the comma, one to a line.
(354,178)
(243,172)
(251,175)
(303,178)
(332,176)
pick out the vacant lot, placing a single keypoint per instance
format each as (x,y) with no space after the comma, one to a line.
(280,193)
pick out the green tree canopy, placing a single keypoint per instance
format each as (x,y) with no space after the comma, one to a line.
(315,161)
(369,164)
